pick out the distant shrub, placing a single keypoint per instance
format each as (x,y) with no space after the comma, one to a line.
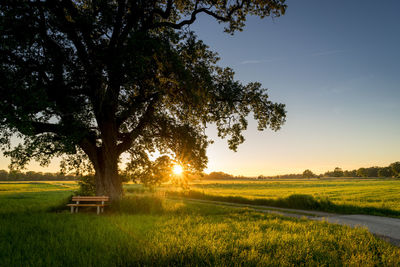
(309,174)
(218,175)
(87,186)
(299,201)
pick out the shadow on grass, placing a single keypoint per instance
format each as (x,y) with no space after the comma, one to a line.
(296,201)
(61,205)
(138,205)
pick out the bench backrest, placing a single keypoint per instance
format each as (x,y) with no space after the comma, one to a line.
(90,198)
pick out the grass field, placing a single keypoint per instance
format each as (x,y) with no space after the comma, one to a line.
(156,231)
(368,196)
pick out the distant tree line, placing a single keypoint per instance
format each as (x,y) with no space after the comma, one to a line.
(34,176)
(218,175)
(289,175)
(391,171)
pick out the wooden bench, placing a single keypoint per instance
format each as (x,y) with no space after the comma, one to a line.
(100,202)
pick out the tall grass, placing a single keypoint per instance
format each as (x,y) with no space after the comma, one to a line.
(174,233)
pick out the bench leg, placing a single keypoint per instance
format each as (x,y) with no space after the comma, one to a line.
(98,210)
(76,209)
(102,209)
(72,209)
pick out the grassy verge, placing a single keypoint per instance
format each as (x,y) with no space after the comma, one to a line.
(296,201)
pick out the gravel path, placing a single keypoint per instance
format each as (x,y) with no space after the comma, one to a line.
(383,227)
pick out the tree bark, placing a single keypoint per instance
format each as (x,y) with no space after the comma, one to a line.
(108,181)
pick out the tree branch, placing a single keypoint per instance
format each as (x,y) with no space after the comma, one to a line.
(130,20)
(88,145)
(43,127)
(133,107)
(164,13)
(194,14)
(86,33)
(118,24)
(146,118)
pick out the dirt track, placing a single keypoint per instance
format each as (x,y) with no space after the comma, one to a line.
(383,227)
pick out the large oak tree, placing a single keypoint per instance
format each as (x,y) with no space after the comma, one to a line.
(105,78)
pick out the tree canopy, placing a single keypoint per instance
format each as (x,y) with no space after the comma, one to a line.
(96,79)
(309,174)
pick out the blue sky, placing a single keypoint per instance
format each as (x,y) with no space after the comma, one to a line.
(336,66)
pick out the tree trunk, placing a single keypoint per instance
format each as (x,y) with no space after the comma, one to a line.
(108,182)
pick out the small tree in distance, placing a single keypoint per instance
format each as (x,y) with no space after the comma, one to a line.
(309,174)
(395,168)
(385,172)
(337,172)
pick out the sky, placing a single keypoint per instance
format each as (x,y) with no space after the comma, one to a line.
(336,66)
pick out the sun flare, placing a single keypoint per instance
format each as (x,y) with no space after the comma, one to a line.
(177,169)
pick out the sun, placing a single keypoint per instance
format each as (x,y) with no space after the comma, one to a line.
(177,169)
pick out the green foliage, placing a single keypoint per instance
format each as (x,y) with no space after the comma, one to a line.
(395,168)
(87,186)
(352,173)
(218,175)
(112,77)
(368,172)
(14,175)
(385,172)
(77,163)
(308,174)
(373,172)
(337,172)
(299,201)
(148,172)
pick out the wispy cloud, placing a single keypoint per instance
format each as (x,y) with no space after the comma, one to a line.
(347,86)
(245,62)
(325,53)
(315,54)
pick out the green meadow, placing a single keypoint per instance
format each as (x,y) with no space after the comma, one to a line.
(366,196)
(359,192)
(150,230)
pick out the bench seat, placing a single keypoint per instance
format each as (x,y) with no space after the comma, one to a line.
(86,205)
(78,199)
